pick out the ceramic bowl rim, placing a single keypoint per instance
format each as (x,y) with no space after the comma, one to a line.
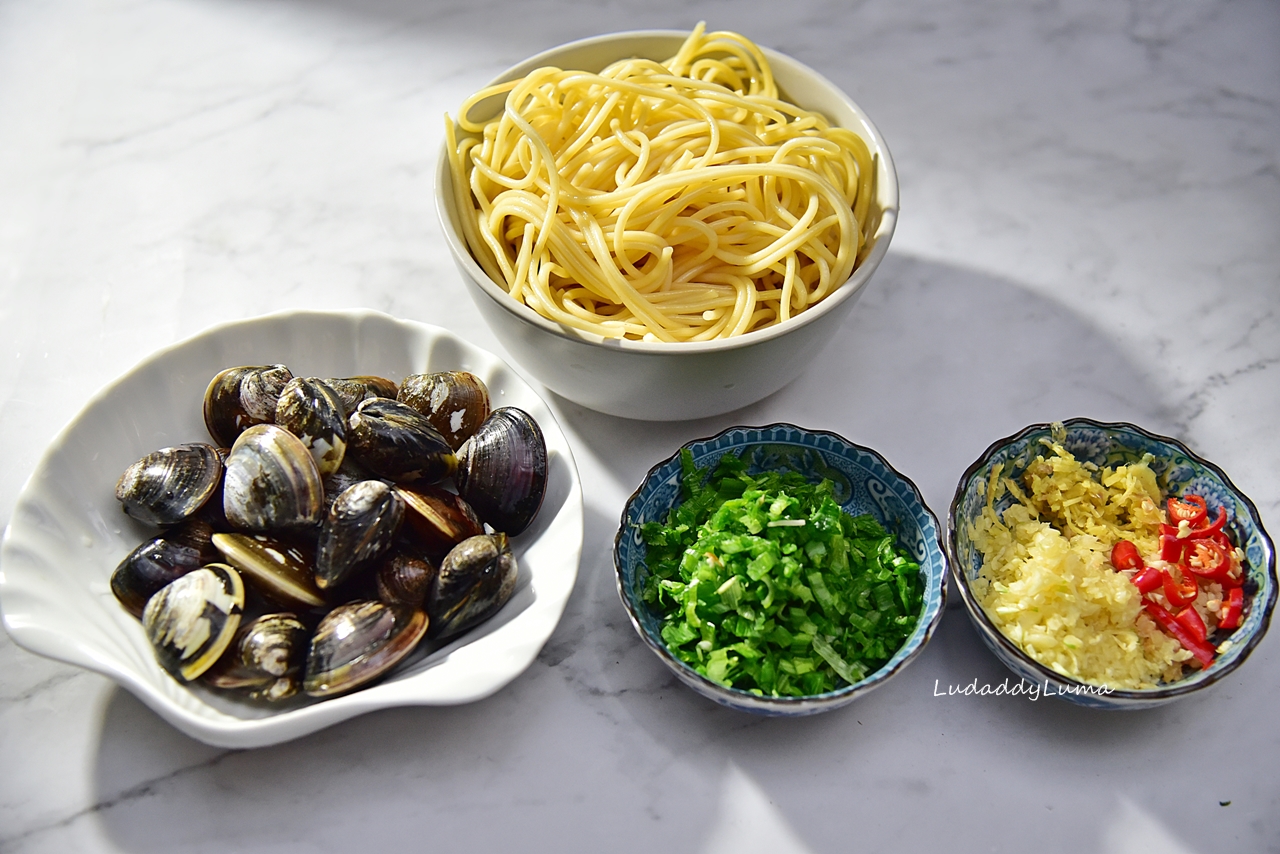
(783,705)
(1162,692)
(844,293)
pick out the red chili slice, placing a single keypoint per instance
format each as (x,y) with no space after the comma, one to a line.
(1200,649)
(1124,555)
(1232,609)
(1190,509)
(1148,580)
(1191,620)
(1180,593)
(1208,559)
(1173,549)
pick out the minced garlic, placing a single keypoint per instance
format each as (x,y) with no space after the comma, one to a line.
(1047,581)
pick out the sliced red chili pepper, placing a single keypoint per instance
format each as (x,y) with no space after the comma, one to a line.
(1173,549)
(1232,609)
(1124,555)
(1190,509)
(1180,593)
(1213,529)
(1200,649)
(1191,620)
(1148,580)
(1207,559)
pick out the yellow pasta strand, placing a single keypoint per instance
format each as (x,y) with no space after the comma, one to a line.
(673,201)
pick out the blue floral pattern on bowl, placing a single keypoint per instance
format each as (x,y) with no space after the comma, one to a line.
(864,483)
(1178,471)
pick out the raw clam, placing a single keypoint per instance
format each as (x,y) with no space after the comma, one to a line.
(271,481)
(160,561)
(264,659)
(360,527)
(358,642)
(502,470)
(191,621)
(476,579)
(404,579)
(397,442)
(278,571)
(312,411)
(353,390)
(455,402)
(238,398)
(440,519)
(171,484)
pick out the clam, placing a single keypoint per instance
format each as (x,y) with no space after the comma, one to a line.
(264,659)
(353,390)
(502,470)
(397,442)
(360,527)
(238,398)
(404,579)
(358,642)
(455,402)
(278,571)
(440,519)
(161,560)
(191,621)
(171,484)
(312,411)
(476,579)
(271,481)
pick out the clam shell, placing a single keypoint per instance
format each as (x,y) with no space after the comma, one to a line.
(190,622)
(404,579)
(397,442)
(161,561)
(502,470)
(358,642)
(277,571)
(360,527)
(353,390)
(456,403)
(264,659)
(475,580)
(171,484)
(238,398)
(271,481)
(311,410)
(438,518)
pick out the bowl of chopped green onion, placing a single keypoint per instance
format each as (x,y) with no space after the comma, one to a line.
(780,571)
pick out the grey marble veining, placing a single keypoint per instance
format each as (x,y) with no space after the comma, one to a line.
(1090,205)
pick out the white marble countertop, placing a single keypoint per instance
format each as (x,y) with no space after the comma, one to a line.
(1090,211)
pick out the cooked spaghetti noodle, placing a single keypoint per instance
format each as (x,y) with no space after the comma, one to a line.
(673,201)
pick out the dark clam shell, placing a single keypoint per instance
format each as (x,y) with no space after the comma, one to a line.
(190,622)
(397,442)
(360,527)
(439,519)
(271,481)
(358,642)
(276,570)
(353,390)
(160,561)
(455,402)
(502,470)
(171,484)
(475,579)
(311,410)
(265,659)
(404,579)
(238,398)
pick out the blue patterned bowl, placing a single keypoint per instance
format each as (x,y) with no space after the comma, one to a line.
(1178,471)
(865,483)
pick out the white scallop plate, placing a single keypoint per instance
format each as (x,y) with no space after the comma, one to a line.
(68,532)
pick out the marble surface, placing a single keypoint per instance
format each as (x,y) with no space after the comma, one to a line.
(1090,204)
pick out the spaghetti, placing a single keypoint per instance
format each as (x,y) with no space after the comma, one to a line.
(674,201)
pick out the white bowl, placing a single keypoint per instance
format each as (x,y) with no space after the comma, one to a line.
(663,381)
(68,533)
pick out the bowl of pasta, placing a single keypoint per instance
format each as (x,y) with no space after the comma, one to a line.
(664,225)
